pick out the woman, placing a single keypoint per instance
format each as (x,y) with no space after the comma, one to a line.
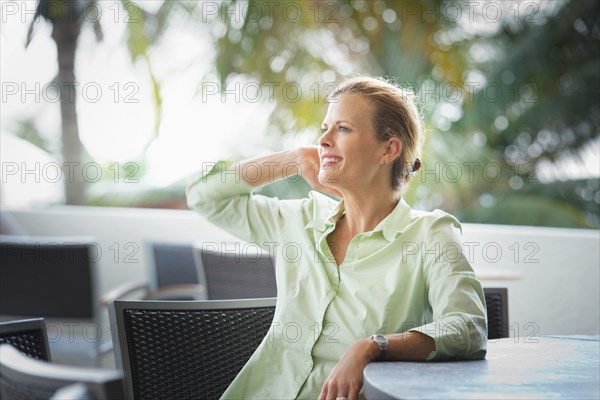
(361,279)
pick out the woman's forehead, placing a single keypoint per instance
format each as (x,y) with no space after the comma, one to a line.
(349,106)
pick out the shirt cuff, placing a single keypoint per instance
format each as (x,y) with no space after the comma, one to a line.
(422,330)
(454,338)
(219,182)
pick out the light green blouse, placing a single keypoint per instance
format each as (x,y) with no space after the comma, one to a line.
(409,273)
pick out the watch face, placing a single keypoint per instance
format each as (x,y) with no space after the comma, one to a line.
(380,339)
(382,343)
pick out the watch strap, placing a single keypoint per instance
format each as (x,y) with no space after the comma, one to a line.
(382,342)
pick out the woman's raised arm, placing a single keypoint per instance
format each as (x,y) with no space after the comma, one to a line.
(222,194)
(303,161)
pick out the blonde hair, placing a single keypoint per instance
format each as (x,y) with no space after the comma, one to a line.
(395,114)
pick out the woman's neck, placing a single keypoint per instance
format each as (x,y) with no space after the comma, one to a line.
(364,211)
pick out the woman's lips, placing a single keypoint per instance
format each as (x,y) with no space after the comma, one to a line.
(330,160)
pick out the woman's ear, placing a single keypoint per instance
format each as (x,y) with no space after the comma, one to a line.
(393,149)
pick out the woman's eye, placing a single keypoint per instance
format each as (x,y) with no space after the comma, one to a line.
(323,130)
(343,129)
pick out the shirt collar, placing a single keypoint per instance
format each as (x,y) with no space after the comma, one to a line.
(331,219)
(391,226)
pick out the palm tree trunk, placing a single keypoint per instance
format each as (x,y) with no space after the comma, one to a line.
(65,33)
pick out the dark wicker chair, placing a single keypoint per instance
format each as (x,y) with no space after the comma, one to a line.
(173,273)
(34,269)
(23,377)
(186,350)
(55,278)
(496,300)
(237,275)
(28,336)
(187,271)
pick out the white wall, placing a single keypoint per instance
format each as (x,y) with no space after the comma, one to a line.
(552,274)
(557,285)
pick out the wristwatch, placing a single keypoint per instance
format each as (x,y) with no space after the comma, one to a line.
(382,342)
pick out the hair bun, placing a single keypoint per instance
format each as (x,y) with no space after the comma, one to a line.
(415,167)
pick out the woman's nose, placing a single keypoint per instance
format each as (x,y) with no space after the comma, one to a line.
(325,139)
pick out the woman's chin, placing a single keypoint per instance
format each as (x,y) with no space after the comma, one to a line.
(328,180)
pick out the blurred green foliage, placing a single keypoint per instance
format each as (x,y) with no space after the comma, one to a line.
(503,86)
(515,84)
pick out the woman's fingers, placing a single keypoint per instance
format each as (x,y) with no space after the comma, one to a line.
(310,164)
(334,390)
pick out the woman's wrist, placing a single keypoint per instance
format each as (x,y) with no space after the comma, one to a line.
(270,168)
(307,159)
(367,349)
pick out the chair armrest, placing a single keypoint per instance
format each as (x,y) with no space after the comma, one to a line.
(498,275)
(121,291)
(195,291)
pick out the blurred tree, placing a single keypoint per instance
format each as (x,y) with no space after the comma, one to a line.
(67,18)
(498,95)
(548,77)
(543,57)
(543,70)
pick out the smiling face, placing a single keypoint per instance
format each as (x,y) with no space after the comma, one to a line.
(351,155)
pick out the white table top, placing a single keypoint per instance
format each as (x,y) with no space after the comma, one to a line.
(548,367)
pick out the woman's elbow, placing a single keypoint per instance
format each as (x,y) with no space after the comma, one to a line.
(462,338)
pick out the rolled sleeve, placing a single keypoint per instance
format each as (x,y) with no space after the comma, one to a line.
(459,326)
(226,200)
(218,183)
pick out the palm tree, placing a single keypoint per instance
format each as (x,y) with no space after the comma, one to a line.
(67,18)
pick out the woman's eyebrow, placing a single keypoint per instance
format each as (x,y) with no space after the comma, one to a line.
(324,124)
(338,122)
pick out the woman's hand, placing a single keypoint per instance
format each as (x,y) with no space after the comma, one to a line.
(346,378)
(310,164)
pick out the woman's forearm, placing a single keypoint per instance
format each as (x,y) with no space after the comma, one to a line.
(346,378)
(221,184)
(303,161)
(263,170)
(407,346)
